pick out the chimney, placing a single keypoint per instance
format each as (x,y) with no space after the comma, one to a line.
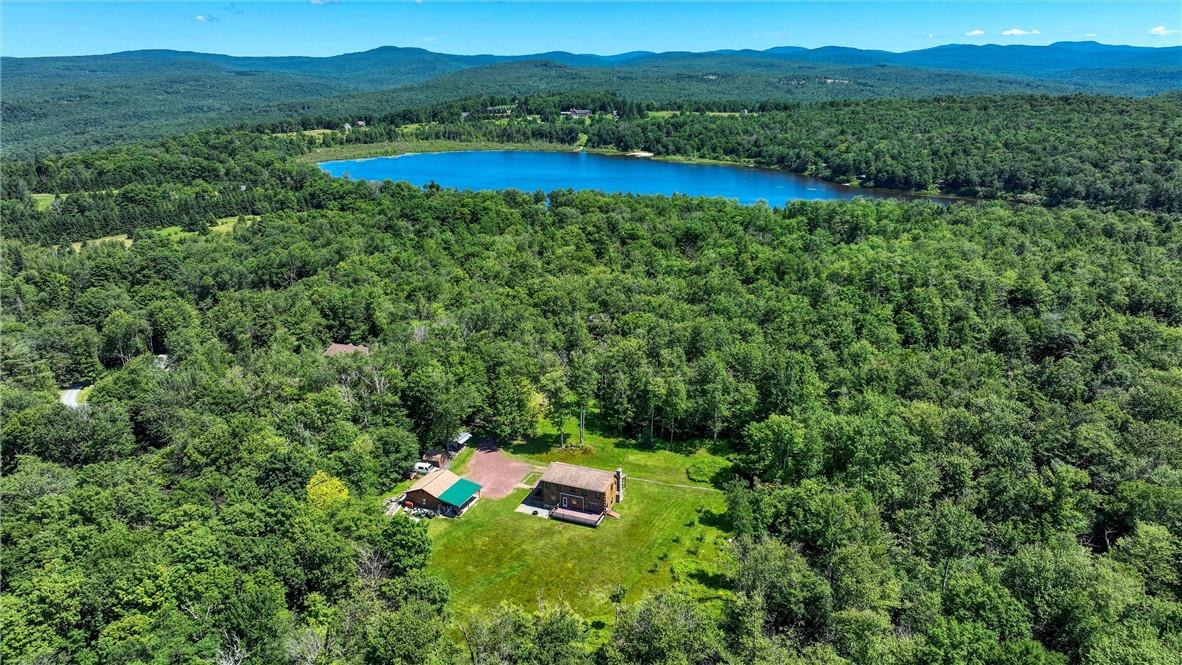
(619,485)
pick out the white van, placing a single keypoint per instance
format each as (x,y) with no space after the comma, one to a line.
(423,468)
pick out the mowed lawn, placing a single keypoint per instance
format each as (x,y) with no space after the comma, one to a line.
(605,451)
(665,535)
(671,531)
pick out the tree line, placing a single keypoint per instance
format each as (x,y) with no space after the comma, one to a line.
(955,429)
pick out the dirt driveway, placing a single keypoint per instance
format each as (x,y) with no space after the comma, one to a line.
(497,473)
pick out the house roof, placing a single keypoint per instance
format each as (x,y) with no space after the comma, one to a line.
(338,349)
(435,483)
(463,437)
(446,486)
(459,493)
(582,477)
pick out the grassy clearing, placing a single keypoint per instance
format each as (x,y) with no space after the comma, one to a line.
(227,224)
(606,451)
(318,133)
(120,238)
(174,233)
(671,532)
(665,536)
(43,201)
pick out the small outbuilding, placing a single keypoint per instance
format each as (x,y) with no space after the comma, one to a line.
(579,493)
(439,458)
(443,492)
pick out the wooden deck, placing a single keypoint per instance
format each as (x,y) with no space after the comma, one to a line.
(577,517)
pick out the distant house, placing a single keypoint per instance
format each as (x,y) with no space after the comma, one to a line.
(348,127)
(443,492)
(344,349)
(577,113)
(502,111)
(578,493)
(360,123)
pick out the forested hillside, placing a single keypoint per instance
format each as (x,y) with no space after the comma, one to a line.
(955,430)
(1105,151)
(72,103)
(1100,150)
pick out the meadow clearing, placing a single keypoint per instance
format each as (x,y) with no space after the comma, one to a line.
(671,532)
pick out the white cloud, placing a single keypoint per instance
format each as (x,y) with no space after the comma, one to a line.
(1161,31)
(325,2)
(200,18)
(1089,34)
(1019,32)
(974,33)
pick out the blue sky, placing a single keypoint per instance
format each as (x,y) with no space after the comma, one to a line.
(328,27)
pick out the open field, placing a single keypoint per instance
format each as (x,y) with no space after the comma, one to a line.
(671,531)
(43,201)
(120,238)
(605,451)
(664,536)
(175,233)
(318,133)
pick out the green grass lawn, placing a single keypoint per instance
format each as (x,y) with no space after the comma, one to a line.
(227,224)
(459,463)
(671,531)
(664,536)
(174,233)
(43,201)
(120,238)
(607,451)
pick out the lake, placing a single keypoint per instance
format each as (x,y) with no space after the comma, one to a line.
(533,170)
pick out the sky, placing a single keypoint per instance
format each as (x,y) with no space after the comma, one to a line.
(330,27)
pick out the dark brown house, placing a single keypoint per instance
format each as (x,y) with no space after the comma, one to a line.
(567,487)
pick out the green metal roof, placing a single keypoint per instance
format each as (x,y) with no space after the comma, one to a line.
(459,492)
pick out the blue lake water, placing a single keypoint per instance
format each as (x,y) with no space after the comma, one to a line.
(533,170)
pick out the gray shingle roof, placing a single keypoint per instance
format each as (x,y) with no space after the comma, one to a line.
(582,477)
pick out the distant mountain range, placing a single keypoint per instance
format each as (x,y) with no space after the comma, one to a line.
(67,103)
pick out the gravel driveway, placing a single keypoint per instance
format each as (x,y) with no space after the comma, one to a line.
(497,473)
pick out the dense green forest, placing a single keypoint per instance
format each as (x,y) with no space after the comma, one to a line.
(1100,150)
(1105,151)
(72,103)
(955,429)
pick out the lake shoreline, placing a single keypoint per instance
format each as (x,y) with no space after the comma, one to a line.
(526,167)
(363,151)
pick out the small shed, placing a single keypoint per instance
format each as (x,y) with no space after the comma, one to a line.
(443,492)
(460,441)
(439,458)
